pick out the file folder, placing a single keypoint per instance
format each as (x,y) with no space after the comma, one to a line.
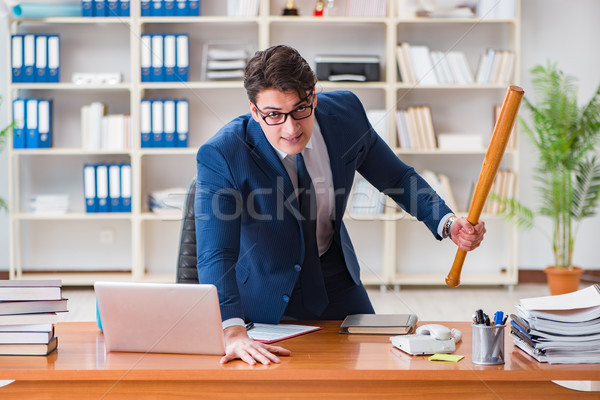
(53,48)
(99,8)
(45,124)
(181,8)
(125,8)
(41,58)
(145,8)
(169,122)
(87,8)
(183,61)
(112,8)
(193,8)
(114,187)
(170,58)
(146,57)
(29,58)
(157,8)
(157,58)
(17,58)
(102,187)
(126,187)
(31,123)
(146,123)
(89,188)
(182,122)
(157,124)
(169,8)
(19,135)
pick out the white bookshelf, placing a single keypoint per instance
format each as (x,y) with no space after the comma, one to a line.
(390,246)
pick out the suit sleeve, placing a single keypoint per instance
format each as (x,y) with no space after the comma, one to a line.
(384,170)
(217,213)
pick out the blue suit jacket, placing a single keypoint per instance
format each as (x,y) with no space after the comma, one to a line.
(250,244)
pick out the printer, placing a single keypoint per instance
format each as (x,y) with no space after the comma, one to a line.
(347,68)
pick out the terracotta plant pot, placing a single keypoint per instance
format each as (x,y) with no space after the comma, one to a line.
(563,280)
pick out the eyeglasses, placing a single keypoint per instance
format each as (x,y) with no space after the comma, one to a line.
(278,118)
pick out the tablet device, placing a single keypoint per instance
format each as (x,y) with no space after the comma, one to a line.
(160,317)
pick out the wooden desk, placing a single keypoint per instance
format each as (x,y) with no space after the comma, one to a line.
(324,364)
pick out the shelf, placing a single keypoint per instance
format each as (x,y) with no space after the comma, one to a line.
(140,246)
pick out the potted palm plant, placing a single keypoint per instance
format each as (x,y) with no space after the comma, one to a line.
(568,171)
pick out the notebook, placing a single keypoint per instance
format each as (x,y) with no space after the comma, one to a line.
(160,318)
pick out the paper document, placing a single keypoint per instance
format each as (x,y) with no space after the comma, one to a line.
(269,333)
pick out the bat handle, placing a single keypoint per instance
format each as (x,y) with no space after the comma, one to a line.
(453,278)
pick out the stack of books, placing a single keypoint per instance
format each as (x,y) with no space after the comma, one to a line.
(415,128)
(560,329)
(28,314)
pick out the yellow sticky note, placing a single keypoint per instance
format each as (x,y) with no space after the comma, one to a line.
(446,357)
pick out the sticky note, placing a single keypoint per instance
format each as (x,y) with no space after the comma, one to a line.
(446,357)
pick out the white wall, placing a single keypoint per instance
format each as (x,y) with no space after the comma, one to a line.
(564,32)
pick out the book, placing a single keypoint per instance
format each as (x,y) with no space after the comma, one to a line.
(26,319)
(379,324)
(25,289)
(32,307)
(28,349)
(27,328)
(18,337)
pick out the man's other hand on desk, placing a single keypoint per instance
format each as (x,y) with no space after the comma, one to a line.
(466,236)
(239,345)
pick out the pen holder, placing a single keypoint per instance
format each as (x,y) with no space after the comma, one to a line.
(488,344)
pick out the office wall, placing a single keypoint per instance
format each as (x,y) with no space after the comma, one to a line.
(565,32)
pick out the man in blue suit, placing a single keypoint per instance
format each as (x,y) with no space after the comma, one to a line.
(272,189)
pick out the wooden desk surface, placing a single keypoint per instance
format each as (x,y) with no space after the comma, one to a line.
(319,359)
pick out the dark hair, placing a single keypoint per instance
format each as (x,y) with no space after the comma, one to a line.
(278,67)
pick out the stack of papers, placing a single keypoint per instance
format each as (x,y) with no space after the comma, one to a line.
(168,202)
(48,204)
(562,329)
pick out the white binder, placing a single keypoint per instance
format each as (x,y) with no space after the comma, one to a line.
(89,188)
(102,187)
(29,58)
(157,124)
(182,121)
(170,61)
(44,124)
(17,58)
(146,57)
(146,123)
(169,122)
(114,187)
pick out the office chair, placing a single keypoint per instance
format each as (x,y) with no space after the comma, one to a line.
(186,260)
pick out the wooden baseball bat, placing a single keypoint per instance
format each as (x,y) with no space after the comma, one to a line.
(494,154)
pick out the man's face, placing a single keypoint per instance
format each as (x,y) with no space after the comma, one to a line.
(292,135)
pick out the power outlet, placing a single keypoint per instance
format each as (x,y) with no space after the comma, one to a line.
(107,236)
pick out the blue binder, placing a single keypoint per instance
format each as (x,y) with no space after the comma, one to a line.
(146,57)
(145,6)
(169,8)
(112,8)
(169,123)
(146,123)
(31,124)
(183,59)
(89,188)
(87,8)
(29,58)
(41,58)
(100,8)
(102,187)
(170,61)
(17,50)
(44,123)
(158,123)
(181,8)
(19,116)
(193,8)
(182,122)
(114,187)
(125,7)
(53,48)
(157,58)
(126,187)
(157,8)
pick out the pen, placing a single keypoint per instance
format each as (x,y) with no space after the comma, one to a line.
(504,319)
(498,316)
(249,325)
(479,316)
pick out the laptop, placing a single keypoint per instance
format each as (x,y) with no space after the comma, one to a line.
(160,318)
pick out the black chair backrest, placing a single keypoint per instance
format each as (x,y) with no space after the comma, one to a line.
(186,261)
